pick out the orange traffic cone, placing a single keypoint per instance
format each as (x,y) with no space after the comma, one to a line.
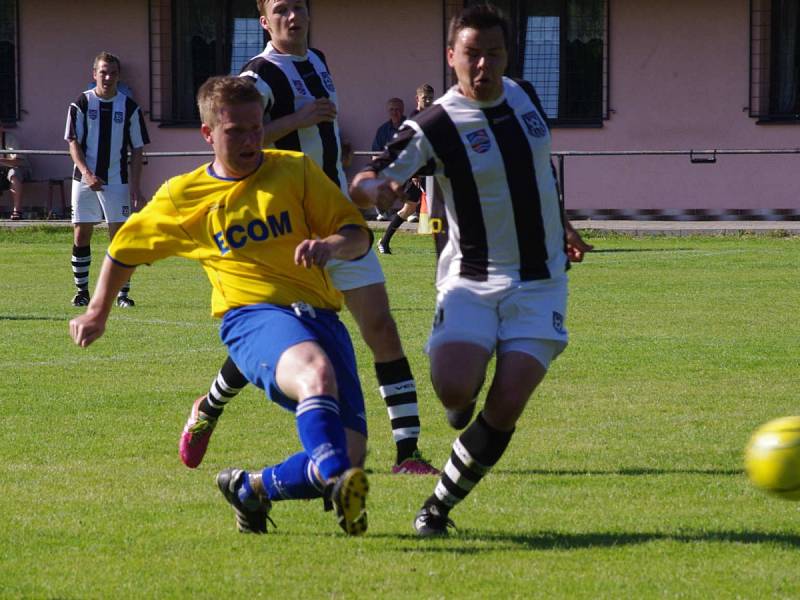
(424,224)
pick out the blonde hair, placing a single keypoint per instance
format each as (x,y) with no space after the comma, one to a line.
(218,92)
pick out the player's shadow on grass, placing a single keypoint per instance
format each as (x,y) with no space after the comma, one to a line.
(625,250)
(31,318)
(552,540)
(629,472)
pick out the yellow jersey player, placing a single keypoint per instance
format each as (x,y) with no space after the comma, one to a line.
(263,224)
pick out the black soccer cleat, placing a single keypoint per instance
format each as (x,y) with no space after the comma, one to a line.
(349,497)
(251,515)
(429,522)
(384,248)
(460,418)
(81,298)
(125,302)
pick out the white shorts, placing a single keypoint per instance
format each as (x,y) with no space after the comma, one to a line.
(354,274)
(529,318)
(111,204)
(17,172)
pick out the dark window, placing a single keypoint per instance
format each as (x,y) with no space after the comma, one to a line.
(775,60)
(561,46)
(9,43)
(192,40)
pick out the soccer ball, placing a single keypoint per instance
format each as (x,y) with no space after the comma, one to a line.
(772,458)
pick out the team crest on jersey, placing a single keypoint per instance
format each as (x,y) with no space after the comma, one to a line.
(118,117)
(479,140)
(299,87)
(534,123)
(327,80)
(92,114)
(558,322)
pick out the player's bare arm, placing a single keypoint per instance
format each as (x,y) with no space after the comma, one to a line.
(368,190)
(137,198)
(89,178)
(91,325)
(346,244)
(318,111)
(576,246)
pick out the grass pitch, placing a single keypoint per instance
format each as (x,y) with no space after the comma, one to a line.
(624,478)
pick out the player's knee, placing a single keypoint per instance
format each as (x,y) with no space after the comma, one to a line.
(316,378)
(454,392)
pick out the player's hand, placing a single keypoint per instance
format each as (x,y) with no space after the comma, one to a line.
(321,109)
(378,192)
(576,247)
(94,182)
(311,253)
(86,328)
(137,199)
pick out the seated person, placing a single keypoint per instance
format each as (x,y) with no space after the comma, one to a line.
(14,170)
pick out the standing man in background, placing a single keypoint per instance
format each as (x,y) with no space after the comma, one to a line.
(414,188)
(102,124)
(300,108)
(396,109)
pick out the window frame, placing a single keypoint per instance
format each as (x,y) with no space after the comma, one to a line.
(15,115)
(166,89)
(762,65)
(517,52)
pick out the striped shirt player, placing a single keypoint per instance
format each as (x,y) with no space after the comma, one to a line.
(287,83)
(105,129)
(291,77)
(502,262)
(504,219)
(103,124)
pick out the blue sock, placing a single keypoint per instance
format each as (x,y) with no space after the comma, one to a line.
(245,492)
(293,479)
(320,429)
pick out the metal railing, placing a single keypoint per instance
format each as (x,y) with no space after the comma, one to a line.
(708,156)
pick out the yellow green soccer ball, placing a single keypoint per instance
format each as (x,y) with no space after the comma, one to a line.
(772,458)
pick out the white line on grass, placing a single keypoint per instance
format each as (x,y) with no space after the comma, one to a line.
(90,358)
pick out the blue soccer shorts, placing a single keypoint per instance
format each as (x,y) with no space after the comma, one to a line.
(257,336)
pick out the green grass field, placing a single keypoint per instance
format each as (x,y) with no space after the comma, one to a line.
(624,478)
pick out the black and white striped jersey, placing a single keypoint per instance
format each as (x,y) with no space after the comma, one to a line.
(105,129)
(492,163)
(287,83)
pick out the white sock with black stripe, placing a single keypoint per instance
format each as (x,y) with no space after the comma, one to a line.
(399,392)
(81,262)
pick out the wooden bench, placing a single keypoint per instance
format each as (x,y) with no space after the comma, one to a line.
(56,207)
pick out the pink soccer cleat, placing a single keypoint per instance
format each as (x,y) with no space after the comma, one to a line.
(196,435)
(415,465)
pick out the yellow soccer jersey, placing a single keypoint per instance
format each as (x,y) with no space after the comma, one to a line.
(244,232)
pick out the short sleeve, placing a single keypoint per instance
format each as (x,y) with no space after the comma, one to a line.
(152,234)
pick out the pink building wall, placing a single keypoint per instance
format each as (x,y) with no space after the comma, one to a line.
(376,51)
(678,80)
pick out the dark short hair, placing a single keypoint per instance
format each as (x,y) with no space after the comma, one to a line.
(480,17)
(221,91)
(425,89)
(106,57)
